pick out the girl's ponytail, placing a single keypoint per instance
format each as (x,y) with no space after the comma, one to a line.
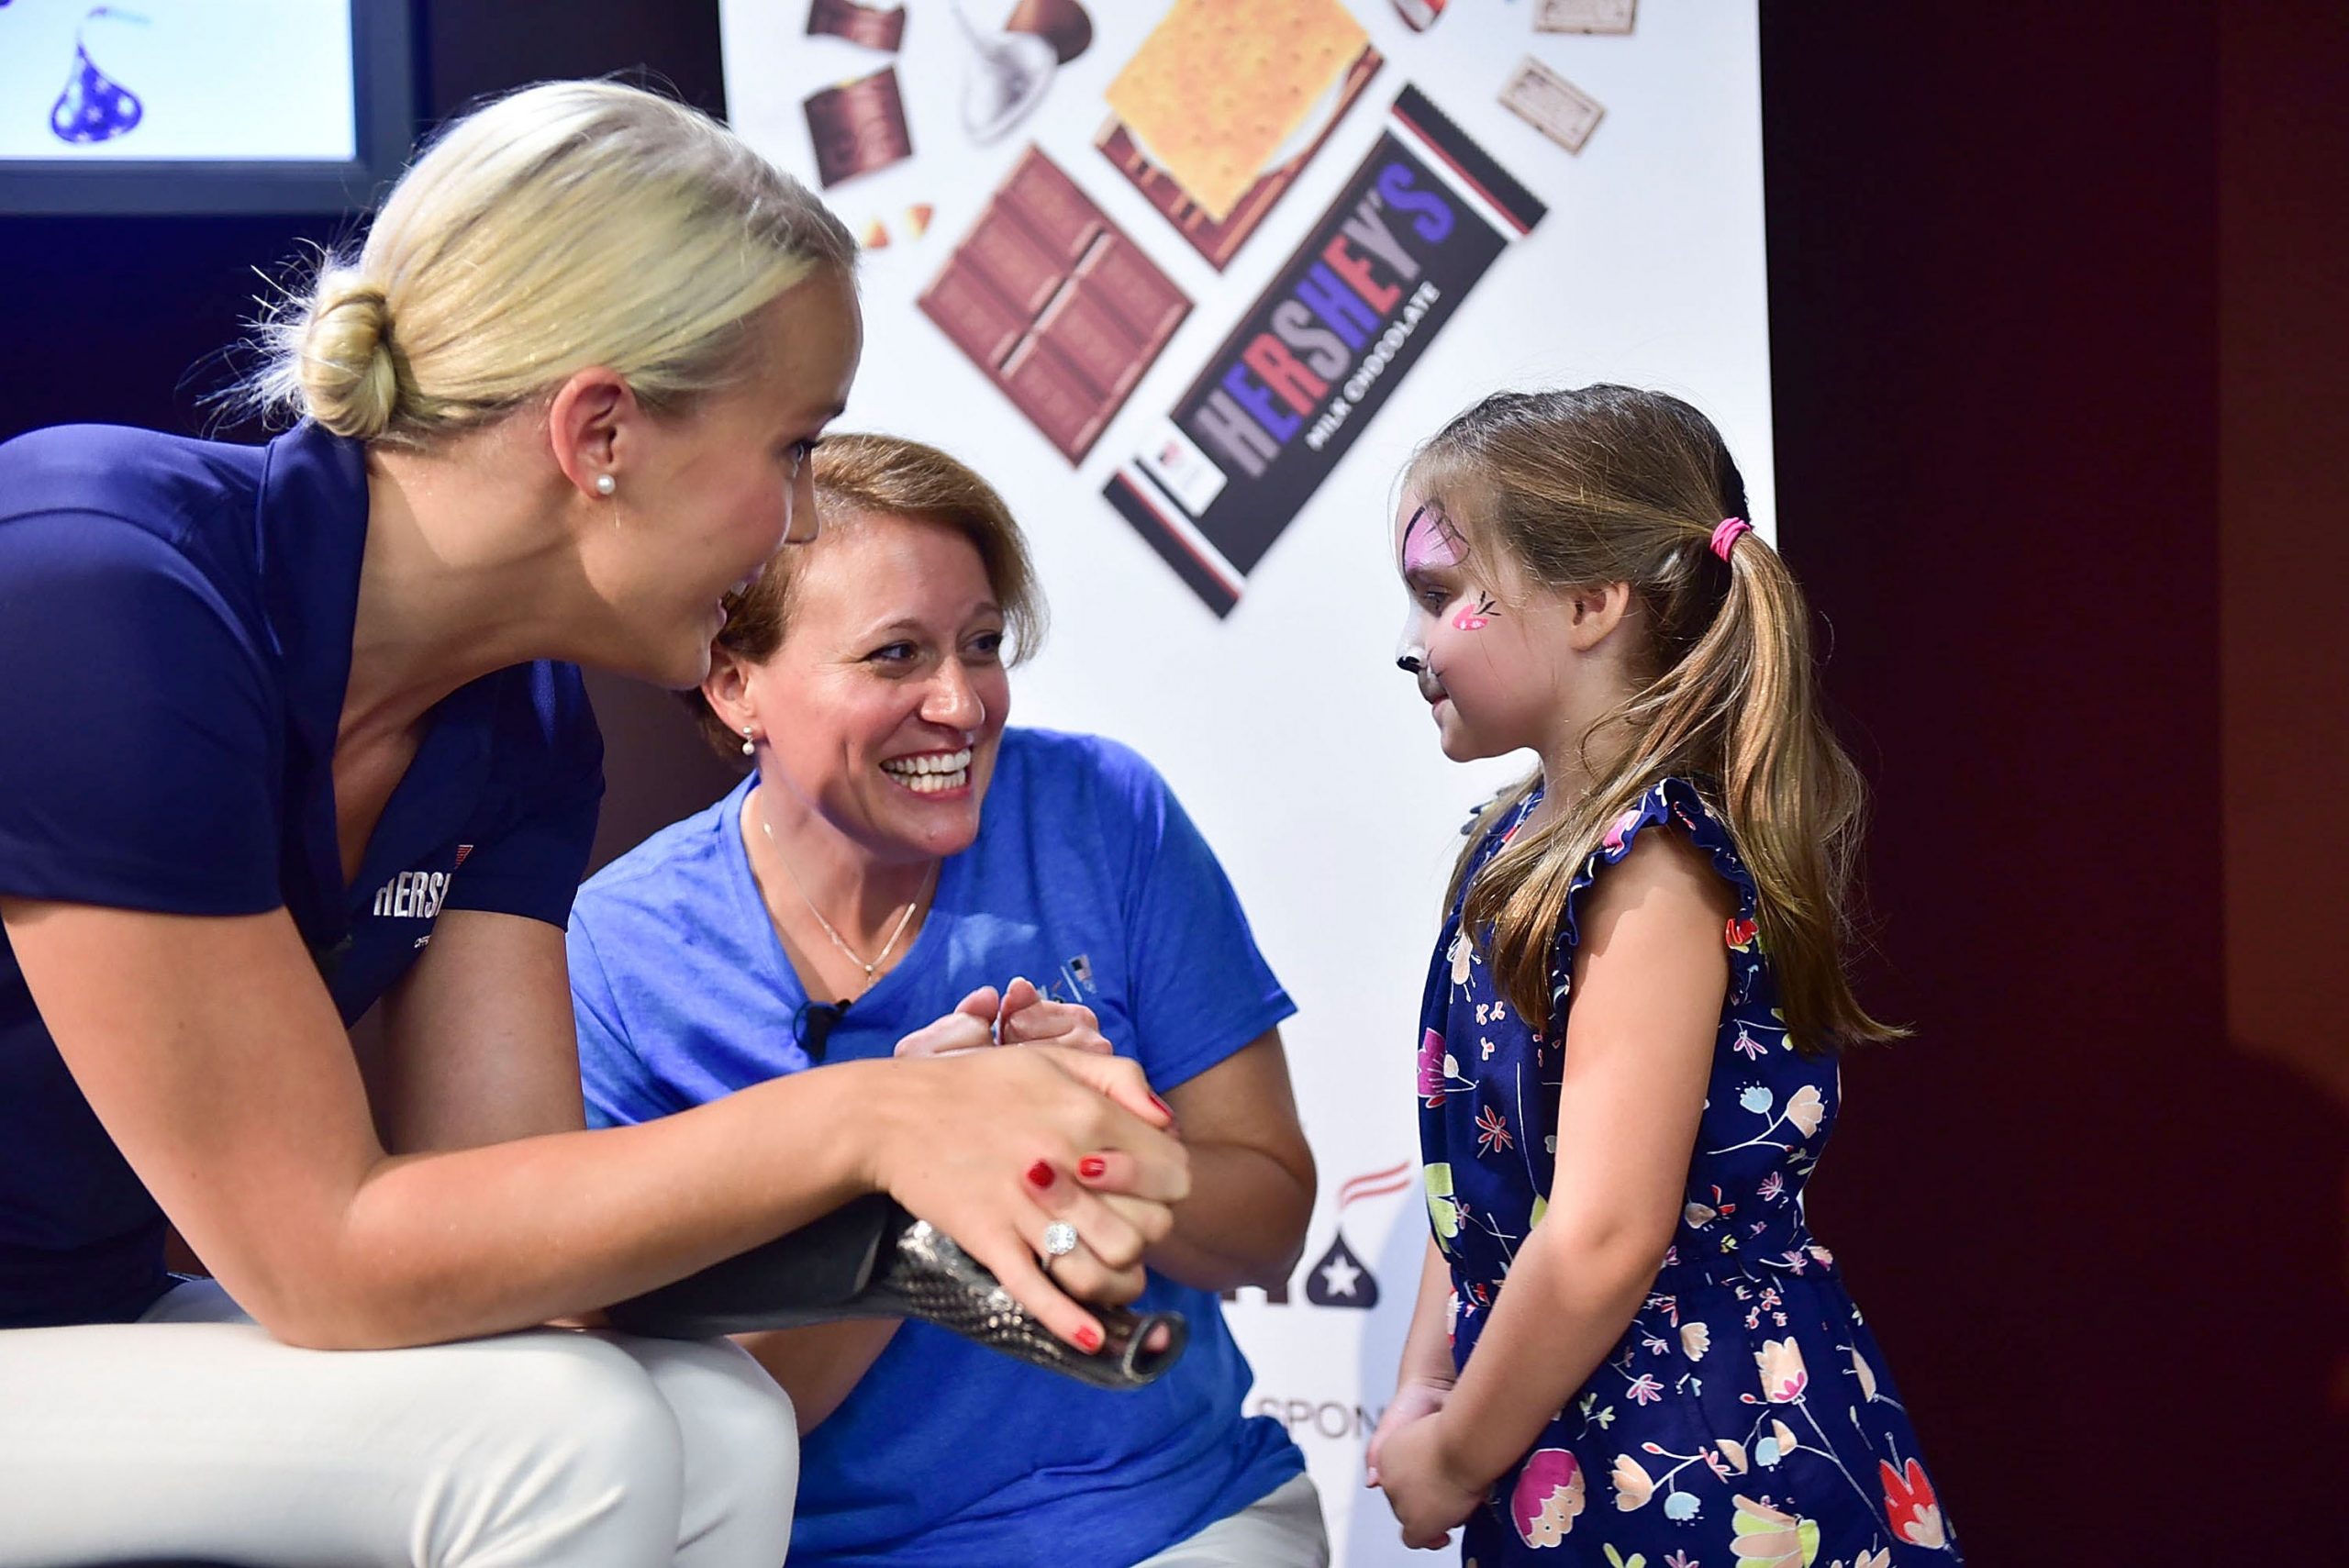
(1795,798)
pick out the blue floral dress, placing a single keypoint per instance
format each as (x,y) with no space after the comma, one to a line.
(1745,1419)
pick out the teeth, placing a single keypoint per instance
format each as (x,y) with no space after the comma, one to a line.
(933,784)
(932,773)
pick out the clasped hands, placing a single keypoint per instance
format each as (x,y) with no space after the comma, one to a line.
(1088,1207)
(1019,1015)
(1410,1460)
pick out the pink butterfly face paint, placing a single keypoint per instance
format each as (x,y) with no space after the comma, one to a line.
(1431,542)
(1488,688)
(1478,615)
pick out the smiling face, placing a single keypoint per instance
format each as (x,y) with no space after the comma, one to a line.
(1488,653)
(882,706)
(707,497)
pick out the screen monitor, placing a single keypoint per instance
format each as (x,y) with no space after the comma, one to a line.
(202,106)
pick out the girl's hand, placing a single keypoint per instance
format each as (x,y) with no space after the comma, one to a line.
(1019,1015)
(1430,1502)
(1028,1017)
(967,1027)
(1414,1399)
(993,1146)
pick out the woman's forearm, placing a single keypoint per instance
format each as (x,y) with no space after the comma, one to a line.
(1243,1223)
(450,1245)
(1252,1174)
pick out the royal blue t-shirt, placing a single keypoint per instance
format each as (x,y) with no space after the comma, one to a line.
(1088,878)
(175,625)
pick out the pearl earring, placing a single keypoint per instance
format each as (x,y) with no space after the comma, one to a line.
(750,747)
(605,485)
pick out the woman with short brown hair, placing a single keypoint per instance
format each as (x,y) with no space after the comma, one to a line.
(852,886)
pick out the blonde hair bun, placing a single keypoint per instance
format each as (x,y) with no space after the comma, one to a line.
(566,225)
(347,374)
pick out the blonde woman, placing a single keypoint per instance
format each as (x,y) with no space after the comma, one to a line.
(293,732)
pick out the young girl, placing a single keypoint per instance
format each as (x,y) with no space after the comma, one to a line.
(1626,1068)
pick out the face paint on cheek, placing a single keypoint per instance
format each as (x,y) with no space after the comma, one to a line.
(1431,542)
(1479,616)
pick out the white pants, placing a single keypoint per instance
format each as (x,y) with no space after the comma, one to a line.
(192,1434)
(1283,1529)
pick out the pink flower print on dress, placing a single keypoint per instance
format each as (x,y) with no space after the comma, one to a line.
(1784,1377)
(1622,827)
(1633,1484)
(1741,933)
(1432,1068)
(1547,1497)
(1807,1110)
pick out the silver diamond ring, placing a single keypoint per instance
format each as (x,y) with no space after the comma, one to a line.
(1060,1239)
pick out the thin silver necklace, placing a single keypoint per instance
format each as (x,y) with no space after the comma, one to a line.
(873,969)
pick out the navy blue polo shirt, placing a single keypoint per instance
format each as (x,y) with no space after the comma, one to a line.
(175,636)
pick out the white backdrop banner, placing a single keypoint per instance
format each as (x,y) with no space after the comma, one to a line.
(1186,282)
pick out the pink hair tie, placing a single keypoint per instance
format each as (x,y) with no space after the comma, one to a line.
(1725,535)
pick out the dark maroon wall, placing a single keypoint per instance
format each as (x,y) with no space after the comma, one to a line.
(2284,565)
(2103,1248)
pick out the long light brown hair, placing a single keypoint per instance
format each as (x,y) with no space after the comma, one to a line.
(1613,484)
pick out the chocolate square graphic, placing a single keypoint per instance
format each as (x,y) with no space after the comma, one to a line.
(1055,305)
(858,127)
(873,26)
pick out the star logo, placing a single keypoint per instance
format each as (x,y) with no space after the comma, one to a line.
(1338,1279)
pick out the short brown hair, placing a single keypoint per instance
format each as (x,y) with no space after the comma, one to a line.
(869,475)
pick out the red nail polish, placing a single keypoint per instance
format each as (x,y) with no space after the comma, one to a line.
(1088,1338)
(1162,1105)
(1092,1167)
(1040,1174)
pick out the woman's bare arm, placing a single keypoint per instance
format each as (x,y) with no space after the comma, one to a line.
(1252,1171)
(819,1366)
(471,1054)
(1252,1174)
(214,1058)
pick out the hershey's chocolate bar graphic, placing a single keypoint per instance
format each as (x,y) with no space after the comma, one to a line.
(1314,359)
(1055,305)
